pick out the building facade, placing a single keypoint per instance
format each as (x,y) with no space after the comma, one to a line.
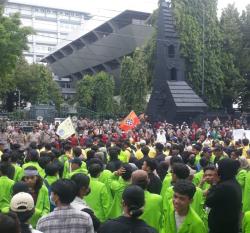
(101,49)
(52,26)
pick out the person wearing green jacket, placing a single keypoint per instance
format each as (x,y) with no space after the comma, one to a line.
(39,193)
(6,186)
(76,167)
(33,157)
(18,170)
(99,199)
(209,178)
(246,193)
(181,218)
(246,223)
(117,187)
(153,211)
(51,171)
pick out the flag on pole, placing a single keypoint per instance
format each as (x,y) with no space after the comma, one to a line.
(130,122)
(65,129)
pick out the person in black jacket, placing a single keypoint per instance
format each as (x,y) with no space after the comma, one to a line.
(224,199)
(133,202)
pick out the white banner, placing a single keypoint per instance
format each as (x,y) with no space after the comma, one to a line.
(65,129)
(238,134)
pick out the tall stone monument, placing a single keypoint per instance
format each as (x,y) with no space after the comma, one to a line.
(172,99)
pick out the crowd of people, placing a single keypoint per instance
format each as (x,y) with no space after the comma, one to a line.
(183,178)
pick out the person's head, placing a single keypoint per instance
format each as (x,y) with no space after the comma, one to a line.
(184,191)
(51,169)
(159,147)
(33,155)
(67,148)
(196,148)
(210,174)
(63,192)
(127,171)
(245,142)
(6,169)
(218,150)
(90,154)
(31,178)
(22,204)
(149,165)
(48,146)
(175,149)
(180,171)
(75,163)
(43,161)
(140,178)
(204,162)
(145,150)
(77,152)
(19,187)
(175,159)
(9,223)
(82,184)
(133,201)
(95,170)
(162,169)
(244,164)
(207,152)
(113,153)
(227,169)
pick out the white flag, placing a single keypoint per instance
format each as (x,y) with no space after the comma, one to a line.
(65,129)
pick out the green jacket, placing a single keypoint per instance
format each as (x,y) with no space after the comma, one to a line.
(166,184)
(246,223)
(117,187)
(51,179)
(99,199)
(36,165)
(42,206)
(198,177)
(18,173)
(191,224)
(197,204)
(153,211)
(6,186)
(246,193)
(80,170)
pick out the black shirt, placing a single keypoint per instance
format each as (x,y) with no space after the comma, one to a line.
(126,225)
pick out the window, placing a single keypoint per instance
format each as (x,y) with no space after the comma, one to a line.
(171,51)
(173,74)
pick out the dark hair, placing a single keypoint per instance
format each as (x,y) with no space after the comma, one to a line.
(90,154)
(5,157)
(81,180)
(67,147)
(185,187)
(33,146)
(9,223)
(7,169)
(14,156)
(47,146)
(245,142)
(128,171)
(65,189)
(133,197)
(33,155)
(159,146)
(151,163)
(23,218)
(20,186)
(145,150)
(162,169)
(175,159)
(113,153)
(209,167)
(180,170)
(227,169)
(51,169)
(94,169)
(43,161)
(203,162)
(77,151)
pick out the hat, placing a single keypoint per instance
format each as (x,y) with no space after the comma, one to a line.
(142,142)
(76,160)
(22,202)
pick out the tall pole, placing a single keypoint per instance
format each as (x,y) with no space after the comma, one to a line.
(203,52)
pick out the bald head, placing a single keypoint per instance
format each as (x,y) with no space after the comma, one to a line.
(140,178)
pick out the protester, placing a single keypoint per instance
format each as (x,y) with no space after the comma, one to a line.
(64,218)
(9,223)
(133,201)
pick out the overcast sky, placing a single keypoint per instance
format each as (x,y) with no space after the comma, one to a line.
(108,7)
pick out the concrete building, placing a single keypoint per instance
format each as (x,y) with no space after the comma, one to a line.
(52,26)
(100,49)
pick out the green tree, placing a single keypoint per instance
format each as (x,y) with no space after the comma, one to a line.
(13,40)
(190,17)
(96,93)
(134,77)
(231,49)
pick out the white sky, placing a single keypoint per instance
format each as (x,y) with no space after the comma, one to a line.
(108,7)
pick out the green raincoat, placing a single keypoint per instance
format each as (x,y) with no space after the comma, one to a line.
(6,186)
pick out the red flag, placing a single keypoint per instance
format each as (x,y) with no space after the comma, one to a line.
(130,122)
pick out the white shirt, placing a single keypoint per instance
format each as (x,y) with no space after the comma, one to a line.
(178,220)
